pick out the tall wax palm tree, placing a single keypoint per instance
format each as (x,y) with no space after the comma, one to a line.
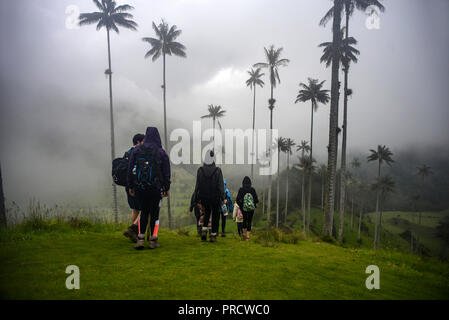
(253,81)
(361,195)
(303,147)
(381,155)
(423,172)
(333,122)
(215,112)
(273,63)
(349,6)
(111,17)
(346,53)
(289,144)
(313,92)
(355,164)
(383,186)
(281,145)
(163,45)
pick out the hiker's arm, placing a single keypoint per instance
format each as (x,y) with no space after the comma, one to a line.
(195,193)
(130,176)
(221,189)
(166,171)
(256,199)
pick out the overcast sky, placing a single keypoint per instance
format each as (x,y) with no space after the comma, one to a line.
(54,106)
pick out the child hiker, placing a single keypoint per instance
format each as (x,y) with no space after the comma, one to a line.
(247,201)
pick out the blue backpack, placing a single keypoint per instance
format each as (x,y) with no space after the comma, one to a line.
(148,168)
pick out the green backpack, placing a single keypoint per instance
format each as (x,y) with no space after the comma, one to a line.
(248,202)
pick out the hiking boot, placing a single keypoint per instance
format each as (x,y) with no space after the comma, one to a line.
(140,244)
(213,238)
(153,244)
(131,233)
(223,235)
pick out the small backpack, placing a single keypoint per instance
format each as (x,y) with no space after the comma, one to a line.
(208,188)
(148,168)
(239,214)
(120,169)
(248,202)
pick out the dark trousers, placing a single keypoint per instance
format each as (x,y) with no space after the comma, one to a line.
(212,211)
(150,203)
(240,228)
(197,217)
(247,219)
(223,221)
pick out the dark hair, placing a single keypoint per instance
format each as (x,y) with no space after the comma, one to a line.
(138,138)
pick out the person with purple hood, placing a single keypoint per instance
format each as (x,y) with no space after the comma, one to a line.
(150,183)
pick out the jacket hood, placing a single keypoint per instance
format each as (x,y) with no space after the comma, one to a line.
(246,182)
(209,169)
(152,138)
(209,157)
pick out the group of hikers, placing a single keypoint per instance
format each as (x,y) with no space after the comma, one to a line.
(144,171)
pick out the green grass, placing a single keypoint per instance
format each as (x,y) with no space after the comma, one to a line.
(34,257)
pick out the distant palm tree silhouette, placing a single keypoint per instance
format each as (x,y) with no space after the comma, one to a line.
(165,44)
(253,81)
(273,62)
(289,144)
(381,155)
(215,112)
(110,16)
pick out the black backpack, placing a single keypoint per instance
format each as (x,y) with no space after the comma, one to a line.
(120,170)
(207,190)
(148,168)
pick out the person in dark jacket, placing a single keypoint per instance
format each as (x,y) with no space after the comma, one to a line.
(247,214)
(151,162)
(209,193)
(132,231)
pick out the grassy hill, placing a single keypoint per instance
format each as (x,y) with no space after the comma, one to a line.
(34,256)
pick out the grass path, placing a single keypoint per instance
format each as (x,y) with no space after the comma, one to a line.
(33,267)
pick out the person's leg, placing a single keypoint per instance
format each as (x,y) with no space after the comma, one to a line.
(131,232)
(245,223)
(197,217)
(207,217)
(239,228)
(154,221)
(142,222)
(215,222)
(134,215)
(250,219)
(223,225)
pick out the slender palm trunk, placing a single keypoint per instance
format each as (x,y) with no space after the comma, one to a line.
(252,138)
(343,146)
(380,223)
(303,203)
(352,213)
(277,193)
(360,222)
(166,137)
(309,201)
(323,183)
(377,213)
(333,125)
(111,116)
(263,202)
(270,178)
(286,188)
(2,202)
